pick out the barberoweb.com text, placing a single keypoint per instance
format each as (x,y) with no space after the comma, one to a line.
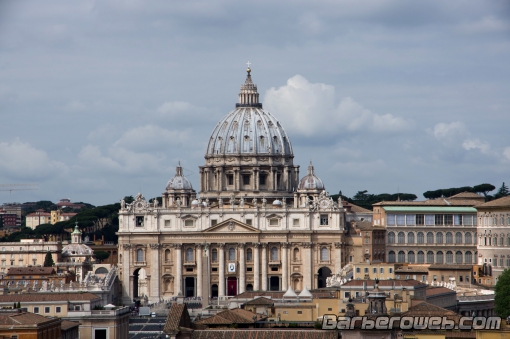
(333,322)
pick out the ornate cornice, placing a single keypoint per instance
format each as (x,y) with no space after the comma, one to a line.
(155,246)
(126,246)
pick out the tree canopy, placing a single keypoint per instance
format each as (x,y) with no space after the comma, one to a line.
(366,200)
(502,192)
(502,294)
(448,192)
(48,260)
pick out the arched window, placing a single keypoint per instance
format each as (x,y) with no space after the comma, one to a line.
(401,256)
(249,254)
(167,255)
(410,238)
(501,241)
(508,240)
(468,257)
(324,254)
(421,257)
(449,257)
(410,257)
(468,238)
(274,253)
(296,254)
(391,256)
(401,238)
(439,237)
(214,255)
(231,254)
(391,238)
(139,255)
(430,257)
(449,238)
(458,238)
(189,254)
(439,257)
(430,238)
(458,257)
(421,238)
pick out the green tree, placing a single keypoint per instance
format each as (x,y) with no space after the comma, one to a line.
(502,294)
(101,255)
(19,305)
(484,188)
(502,192)
(48,260)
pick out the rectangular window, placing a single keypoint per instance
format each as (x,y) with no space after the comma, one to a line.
(448,219)
(330,309)
(36,309)
(295,222)
(274,269)
(273,222)
(410,219)
(429,219)
(299,312)
(249,222)
(189,269)
(457,219)
(167,223)
(58,309)
(230,178)
(401,219)
(139,221)
(358,270)
(390,219)
(262,179)
(47,309)
(390,270)
(438,219)
(246,179)
(365,270)
(215,269)
(214,222)
(189,223)
(374,270)
(381,270)
(100,333)
(324,220)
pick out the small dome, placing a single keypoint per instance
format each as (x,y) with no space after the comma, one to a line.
(310,181)
(76,250)
(179,181)
(277,203)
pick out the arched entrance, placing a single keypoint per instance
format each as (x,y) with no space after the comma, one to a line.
(249,288)
(189,286)
(323,273)
(214,291)
(135,283)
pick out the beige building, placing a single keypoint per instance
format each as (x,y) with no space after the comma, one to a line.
(255,225)
(493,239)
(40,217)
(381,271)
(27,252)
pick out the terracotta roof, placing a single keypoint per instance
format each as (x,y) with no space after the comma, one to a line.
(467,195)
(355,208)
(264,334)
(407,269)
(501,202)
(432,290)
(66,324)
(383,283)
(53,296)
(277,295)
(178,317)
(425,309)
(432,202)
(22,318)
(450,267)
(37,214)
(31,271)
(228,317)
(261,301)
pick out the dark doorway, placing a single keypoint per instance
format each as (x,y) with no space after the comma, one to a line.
(189,286)
(135,283)
(214,291)
(274,283)
(231,286)
(324,273)
(249,288)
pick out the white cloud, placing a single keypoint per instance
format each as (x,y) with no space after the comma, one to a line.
(150,137)
(483,146)
(310,109)
(449,133)
(22,161)
(506,153)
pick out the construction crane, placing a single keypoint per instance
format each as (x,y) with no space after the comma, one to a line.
(18,187)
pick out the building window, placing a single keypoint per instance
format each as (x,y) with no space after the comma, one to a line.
(468,238)
(430,257)
(420,219)
(230,178)
(189,255)
(458,238)
(449,257)
(249,222)
(420,238)
(189,223)
(139,221)
(365,270)
(410,257)
(429,219)
(390,270)
(214,255)
(430,238)
(438,219)
(391,256)
(391,238)
(36,309)
(246,179)
(374,270)
(249,254)
(324,219)
(401,256)
(421,257)
(231,254)
(214,222)
(273,222)
(401,221)
(410,238)
(167,255)
(47,309)
(295,222)
(296,254)
(410,219)
(468,257)
(390,219)
(439,238)
(274,253)
(449,238)
(299,312)
(167,223)
(358,270)
(324,254)
(401,237)
(381,270)
(448,219)
(439,257)
(139,255)
(262,179)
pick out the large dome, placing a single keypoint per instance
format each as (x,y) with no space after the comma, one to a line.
(249,130)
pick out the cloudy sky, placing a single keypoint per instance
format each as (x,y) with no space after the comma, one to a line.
(100,99)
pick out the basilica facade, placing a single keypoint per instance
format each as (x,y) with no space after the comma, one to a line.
(254,224)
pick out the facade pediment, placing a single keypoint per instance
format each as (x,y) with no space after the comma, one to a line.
(231,226)
(274,215)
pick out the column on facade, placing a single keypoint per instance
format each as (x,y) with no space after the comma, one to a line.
(178,269)
(126,274)
(264,266)
(242,269)
(219,181)
(236,179)
(198,253)
(255,179)
(256,267)
(221,285)
(285,266)
(308,274)
(201,175)
(155,265)
(338,257)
